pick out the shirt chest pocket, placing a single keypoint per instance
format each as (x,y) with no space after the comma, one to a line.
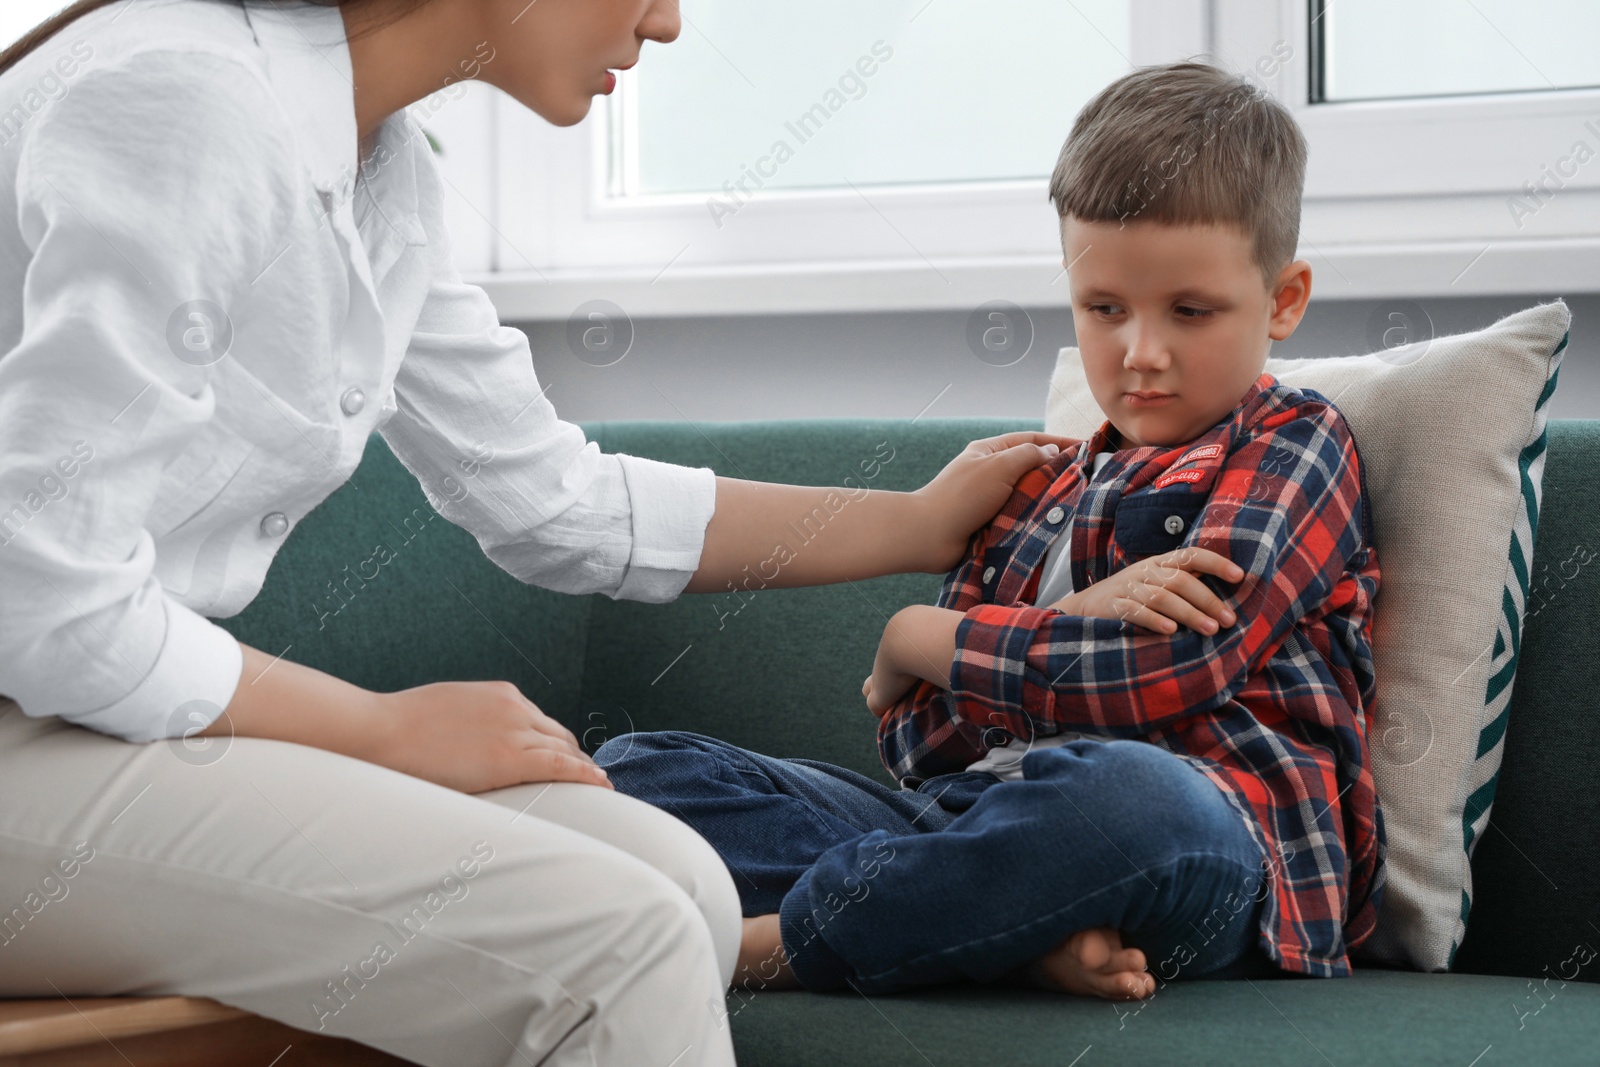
(1153,522)
(190,483)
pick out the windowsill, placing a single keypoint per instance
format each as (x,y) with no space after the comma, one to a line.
(1457,268)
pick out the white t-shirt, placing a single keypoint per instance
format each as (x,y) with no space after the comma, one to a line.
(1005,760)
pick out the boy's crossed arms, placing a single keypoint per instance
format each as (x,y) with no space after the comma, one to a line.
(1295,524)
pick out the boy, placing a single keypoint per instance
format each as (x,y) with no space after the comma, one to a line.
(1131,736)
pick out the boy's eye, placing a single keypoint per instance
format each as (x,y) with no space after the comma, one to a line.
(1193,313)
(1108,309)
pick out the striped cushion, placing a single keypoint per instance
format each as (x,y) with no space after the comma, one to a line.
(1451,433)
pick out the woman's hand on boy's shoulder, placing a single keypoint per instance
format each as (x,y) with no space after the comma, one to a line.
(972,488)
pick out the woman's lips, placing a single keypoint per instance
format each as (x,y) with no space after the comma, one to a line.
(1137,401)
(611,77)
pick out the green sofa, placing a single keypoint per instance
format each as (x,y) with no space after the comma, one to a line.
(780,671)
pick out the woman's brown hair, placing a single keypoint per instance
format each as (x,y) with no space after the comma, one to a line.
(72,12)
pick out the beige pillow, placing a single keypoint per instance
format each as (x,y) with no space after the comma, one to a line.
(1452,436)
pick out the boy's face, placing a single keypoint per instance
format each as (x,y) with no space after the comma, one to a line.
(1174,310)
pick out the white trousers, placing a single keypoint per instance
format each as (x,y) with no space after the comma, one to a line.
(555,923)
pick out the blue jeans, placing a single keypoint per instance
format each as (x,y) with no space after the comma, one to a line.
(967,876)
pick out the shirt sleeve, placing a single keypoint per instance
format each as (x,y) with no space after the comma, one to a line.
(921,736)
(546,505)
(154,182)
(1285,506)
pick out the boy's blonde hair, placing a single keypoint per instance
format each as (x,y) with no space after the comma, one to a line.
(1185,144)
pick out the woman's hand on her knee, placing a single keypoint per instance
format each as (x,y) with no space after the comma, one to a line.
(471,736)
(477,736)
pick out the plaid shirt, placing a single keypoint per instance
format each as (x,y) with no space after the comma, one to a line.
(1273,709)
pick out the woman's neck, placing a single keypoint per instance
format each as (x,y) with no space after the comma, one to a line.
(397,60)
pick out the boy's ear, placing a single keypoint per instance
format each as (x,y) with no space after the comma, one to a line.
(1290,295)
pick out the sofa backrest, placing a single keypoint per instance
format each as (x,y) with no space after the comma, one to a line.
(776,670)
(780,670)
(1536,869)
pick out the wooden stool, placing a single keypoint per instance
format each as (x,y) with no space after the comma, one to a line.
(169,1031)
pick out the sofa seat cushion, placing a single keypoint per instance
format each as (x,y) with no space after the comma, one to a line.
(1376,1016)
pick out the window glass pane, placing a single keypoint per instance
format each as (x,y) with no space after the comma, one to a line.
(1379,48)
(815,93)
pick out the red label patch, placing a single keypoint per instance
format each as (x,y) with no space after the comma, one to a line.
(1172,477)
(1203,452)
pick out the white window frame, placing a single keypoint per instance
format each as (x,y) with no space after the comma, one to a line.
(1409,197)
(1403,198)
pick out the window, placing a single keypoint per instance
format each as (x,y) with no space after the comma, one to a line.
(792,94)
(1464,169)
(1453,151)
(1371,49)
(1448,178)
(927,188)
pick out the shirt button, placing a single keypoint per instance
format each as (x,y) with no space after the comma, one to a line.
(353,401)
(276,524)
(1174,524)
(1054,515)
(988,575)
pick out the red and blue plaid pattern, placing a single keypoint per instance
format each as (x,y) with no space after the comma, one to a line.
(1274,709)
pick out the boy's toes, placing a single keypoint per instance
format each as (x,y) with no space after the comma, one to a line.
(1093,963)
(1130,985)
(1093,948)
(1126,959)
(1119,984)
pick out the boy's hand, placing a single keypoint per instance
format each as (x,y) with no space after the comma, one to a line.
(918,643)
(973,487)
(884,688)
(1160,592)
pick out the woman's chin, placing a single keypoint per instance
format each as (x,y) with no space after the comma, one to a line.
(565,112)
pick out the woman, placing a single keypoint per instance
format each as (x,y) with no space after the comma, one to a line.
(225,267)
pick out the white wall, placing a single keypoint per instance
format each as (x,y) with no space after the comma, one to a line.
(895,365)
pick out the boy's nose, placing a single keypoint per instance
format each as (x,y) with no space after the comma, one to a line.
(1145,355)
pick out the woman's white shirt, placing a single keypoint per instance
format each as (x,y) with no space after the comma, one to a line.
(208,309)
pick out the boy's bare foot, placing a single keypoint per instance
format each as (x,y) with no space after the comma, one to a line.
(1093,963)
(763,964)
